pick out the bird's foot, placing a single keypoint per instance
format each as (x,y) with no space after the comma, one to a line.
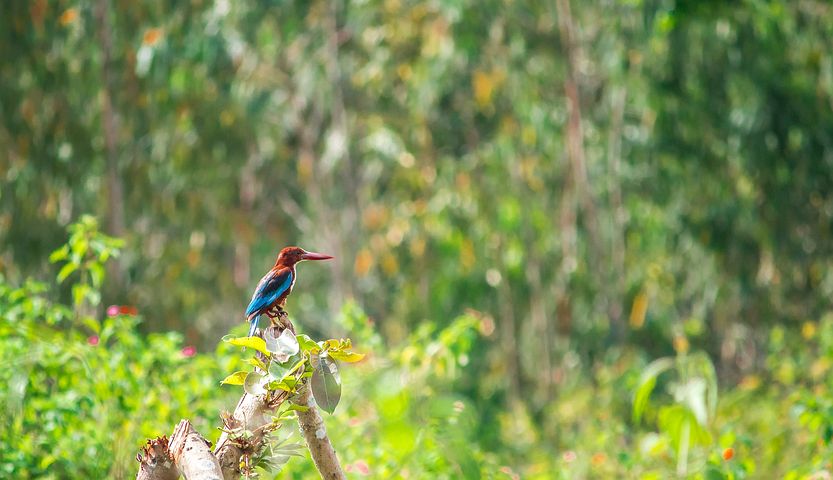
(279,317)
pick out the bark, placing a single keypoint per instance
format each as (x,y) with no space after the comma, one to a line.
(540,325)
(110,128)
(575,133)
(509,338)
(315,434)
(617,236)
(154,461)
(249,186)
(192,454)
(577,192)
(252,414)
(109,122)
(343,222)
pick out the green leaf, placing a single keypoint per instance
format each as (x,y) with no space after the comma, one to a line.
(677,421)
(640,399)
(326,383)
(256,362)
(255,383)
(79,246)
(236,378)
(79,293)
(307,344)
(702,366)
(296,407)
(96,273)
(91,323)
(279,370)
(349,357)
(59,254)
(288,384)
(66,271)
(291,449)
(647,382)
(252,342)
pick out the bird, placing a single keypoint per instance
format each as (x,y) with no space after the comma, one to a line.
(271,292)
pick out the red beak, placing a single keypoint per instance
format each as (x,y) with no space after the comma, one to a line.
(315,256)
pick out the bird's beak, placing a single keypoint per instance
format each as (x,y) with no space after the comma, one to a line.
(315,256)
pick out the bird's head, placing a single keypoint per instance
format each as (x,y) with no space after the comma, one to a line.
(289,256)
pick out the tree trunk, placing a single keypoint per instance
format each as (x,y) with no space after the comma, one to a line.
(110,128)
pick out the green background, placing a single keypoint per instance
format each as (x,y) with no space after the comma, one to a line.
(528,202)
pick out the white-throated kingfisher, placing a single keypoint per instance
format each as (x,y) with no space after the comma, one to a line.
(272,290)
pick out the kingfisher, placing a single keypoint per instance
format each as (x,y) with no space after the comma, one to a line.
(272,290)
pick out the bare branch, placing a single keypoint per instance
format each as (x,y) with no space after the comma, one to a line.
(154,461)
(192,455)
(252,414)
(312,427)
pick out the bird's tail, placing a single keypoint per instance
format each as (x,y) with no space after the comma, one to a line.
(253,321)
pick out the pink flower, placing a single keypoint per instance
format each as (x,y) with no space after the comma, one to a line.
(569,456)
(189,351)
(112,310)
(92,340)
(362,467)
(359,466)
(508,471)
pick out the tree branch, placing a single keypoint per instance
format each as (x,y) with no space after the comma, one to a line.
(154,461)
(189,453)
(252,414)
(192,454)
(110,128)
(312,427)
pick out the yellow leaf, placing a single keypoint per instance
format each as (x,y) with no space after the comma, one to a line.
(349,357)
(252,342)
(808,330)
(483,87)
(236,378)
(638,310)
(389,264)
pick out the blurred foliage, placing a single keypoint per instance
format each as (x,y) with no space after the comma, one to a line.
(81,388)
(594,184)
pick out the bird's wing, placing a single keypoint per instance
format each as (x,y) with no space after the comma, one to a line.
(270,287)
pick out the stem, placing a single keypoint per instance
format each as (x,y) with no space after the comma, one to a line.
(682,459)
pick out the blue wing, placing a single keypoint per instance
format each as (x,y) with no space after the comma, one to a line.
(270,287)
